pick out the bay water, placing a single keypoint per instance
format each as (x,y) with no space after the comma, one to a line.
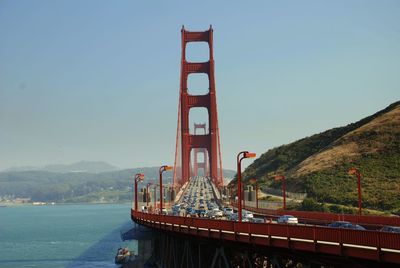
(69,236)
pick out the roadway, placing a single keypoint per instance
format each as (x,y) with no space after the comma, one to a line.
(197,200)
(200,199)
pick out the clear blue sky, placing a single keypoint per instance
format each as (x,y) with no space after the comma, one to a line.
(99,80)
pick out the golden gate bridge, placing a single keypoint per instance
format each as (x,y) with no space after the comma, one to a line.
(180,240)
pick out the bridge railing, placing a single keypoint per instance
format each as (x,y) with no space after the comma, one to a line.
(371,245)
(328,217)
(313,234)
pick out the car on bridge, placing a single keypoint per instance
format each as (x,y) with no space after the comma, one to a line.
(145,209)
(227,211)
(288,219)
(257,220)
(338,224)
(217,213)
(390,229)
(247,214)
(353,227)
(164,211)
(193,213)
(189,209)
(234,217)
(200,212)
(210,214)
(346,225)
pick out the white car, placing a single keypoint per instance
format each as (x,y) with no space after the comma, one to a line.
(234,217)
(288,219)
(164,211)
(247,214)
(217,213)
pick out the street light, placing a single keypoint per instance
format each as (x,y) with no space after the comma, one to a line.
(230,194)
(155,197)
(138,177)
(281,177)
(162,169)
(252,181)
(354,171)
(167,191)
(147,193)
(244,197)
(239,158)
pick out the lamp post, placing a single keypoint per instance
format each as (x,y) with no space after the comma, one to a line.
(239,158)
(171,192)
(230,195)
(162,169)
(147,193)
(155,197)
(281,177)
(257,195)
(254,181)
(244,196)
(232,198)
(138,177)
(354,171)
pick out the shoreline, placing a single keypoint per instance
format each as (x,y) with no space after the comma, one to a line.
(11,204)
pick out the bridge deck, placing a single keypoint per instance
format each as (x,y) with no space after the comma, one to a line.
(371,245)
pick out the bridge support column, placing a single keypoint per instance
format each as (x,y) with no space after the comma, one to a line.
(220,258)
(187,259)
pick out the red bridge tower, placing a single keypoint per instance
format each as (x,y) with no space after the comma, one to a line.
(185,141)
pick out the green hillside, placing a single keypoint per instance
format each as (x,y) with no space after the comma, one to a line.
(110,186)
(318,164)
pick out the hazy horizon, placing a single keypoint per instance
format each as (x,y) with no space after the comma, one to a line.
(71,163)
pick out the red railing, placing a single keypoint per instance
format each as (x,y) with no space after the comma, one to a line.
(372,245)
(329,217)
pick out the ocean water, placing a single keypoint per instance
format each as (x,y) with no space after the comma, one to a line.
(63,235)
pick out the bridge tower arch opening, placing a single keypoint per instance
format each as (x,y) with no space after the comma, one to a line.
(207,144)
(200,159)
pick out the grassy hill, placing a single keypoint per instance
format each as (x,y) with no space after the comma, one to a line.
(318,164)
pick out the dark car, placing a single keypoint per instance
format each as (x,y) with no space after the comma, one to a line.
(200,212)
(352,226)
(189,209)
(346,225)
(390,229)
(338,224)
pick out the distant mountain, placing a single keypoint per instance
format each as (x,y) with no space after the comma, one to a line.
(21,168)
(228,174)
(81,166)
(318,164)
